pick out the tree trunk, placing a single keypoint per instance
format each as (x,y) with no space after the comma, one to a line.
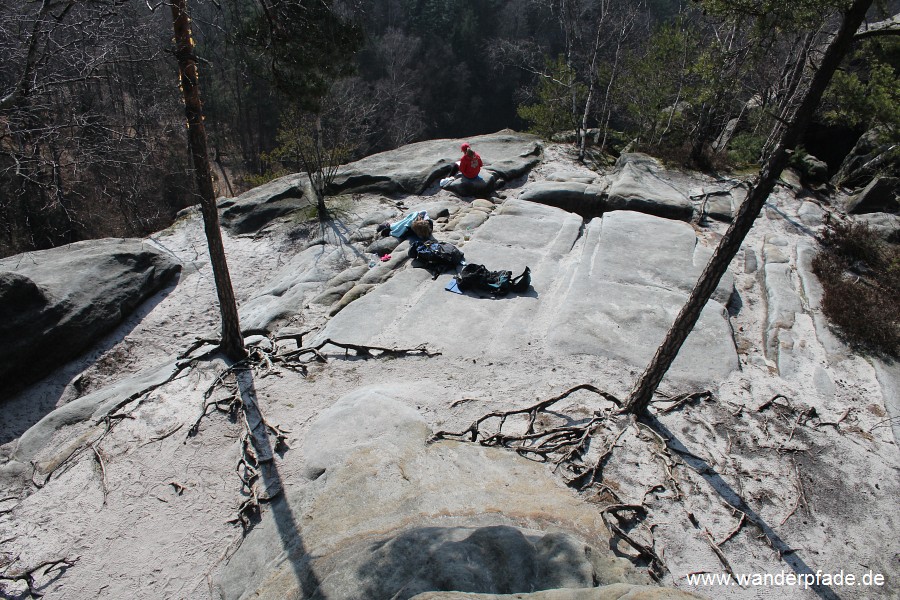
(646,385)
(592,79)
(232,343)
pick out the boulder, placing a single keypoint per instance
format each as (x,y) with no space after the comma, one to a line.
(479,187)
(383,245)
(871,154)
(580,198)
(412,168)
(587,178)
(354,293)
(884,225)
(340,284)
(881,195)
(638,159)
(438,516)
(253,210)
(468,219)
(56,303)
(791,178)
(438,209)
(638,184)
(813,170)
(720,206)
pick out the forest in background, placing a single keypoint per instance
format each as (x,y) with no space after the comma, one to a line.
(92,133)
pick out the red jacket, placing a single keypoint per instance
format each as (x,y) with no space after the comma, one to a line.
(470,165)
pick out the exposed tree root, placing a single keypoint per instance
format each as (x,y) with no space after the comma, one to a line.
(456,403)
(297,337)
(163,436)
(801,496)
(613,519)
(593,473)
(771,401)
(268,361)
(241,405)
(98,456)
(584,447)
(676,402)
(559,445)
(737,529)
(889,422)
(30,574)
(569,446)
(197,344)
(359,350)
(836,424)
(712,544)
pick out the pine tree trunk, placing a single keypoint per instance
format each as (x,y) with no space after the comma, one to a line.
(646,385)
(232,343)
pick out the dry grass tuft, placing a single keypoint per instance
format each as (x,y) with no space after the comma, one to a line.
(860,274)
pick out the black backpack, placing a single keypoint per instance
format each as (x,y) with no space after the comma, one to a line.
(437,256)
(498,283)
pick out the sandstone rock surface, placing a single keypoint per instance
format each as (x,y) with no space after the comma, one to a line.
(636,185)
(414,167)
(616,591)
(438,516)
(593,293)
(253,210)
(882,194)
(57,302)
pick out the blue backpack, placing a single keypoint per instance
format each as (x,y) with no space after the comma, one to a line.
(437,256)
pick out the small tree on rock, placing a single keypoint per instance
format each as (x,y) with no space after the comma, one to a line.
(320,141)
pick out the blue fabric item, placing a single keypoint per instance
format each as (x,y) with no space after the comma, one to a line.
(453,286)
(399,228)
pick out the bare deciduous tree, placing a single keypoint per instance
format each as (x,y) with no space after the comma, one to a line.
(320,142)
(86,124)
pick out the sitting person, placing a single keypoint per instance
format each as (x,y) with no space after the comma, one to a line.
(468,166)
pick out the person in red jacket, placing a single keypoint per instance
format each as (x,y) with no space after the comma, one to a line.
(468,166)
(470,163)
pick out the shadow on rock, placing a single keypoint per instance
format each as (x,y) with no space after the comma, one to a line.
(498,560)
(734,499)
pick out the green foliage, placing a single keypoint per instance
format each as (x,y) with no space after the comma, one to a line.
(307,46)
(663,81)
(860,276)
(771,15)
(273,172)
(663,10)
(554,110)
(745,149)
(866,93)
